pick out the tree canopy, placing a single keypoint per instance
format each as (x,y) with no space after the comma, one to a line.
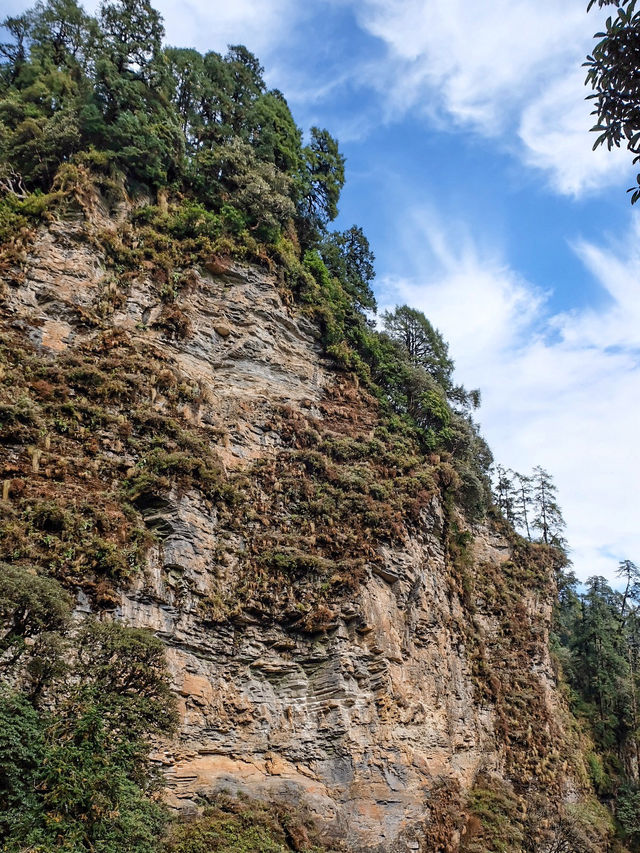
(165,117)
(77,709)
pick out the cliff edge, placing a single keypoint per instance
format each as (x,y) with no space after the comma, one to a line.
(340,638)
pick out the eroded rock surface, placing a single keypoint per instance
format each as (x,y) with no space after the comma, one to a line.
(359,723)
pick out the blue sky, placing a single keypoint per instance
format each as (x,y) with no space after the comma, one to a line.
(469,166)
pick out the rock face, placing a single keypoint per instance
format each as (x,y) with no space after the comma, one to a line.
(413,687)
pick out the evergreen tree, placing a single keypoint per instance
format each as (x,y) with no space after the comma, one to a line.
(244,74)
(187,70)
(320,185)
(348,256)
(522,505)
(601,662)
(131,33)
(14,52)
(506,493)
(547,517)
(74,767)
(272,132)
(424,344)
(135,119)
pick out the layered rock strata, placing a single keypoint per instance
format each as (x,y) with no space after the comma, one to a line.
(359,724)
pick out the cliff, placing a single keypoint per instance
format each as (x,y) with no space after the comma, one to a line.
(340,639)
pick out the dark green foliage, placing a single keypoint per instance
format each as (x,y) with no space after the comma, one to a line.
(597,642)
(321,182)
(70,83)
(427,350)
(273,133)
(22,753)
(349,258)
(613,76)
(628,814)
(73,753)
(124,676)
(43,89)
(33,609)
(424,344)
(131,33)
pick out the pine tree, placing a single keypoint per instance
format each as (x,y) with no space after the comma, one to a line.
(348,256)
(601,662)
(630,620)
(321,182)
(424,344)
(522,505)
(505,493)
(547,516)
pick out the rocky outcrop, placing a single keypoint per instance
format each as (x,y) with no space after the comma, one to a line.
(430,670)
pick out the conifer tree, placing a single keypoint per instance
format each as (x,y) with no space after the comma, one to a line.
(348,256)
(506,493)
(547,516)
(424,344)
(522,504)
(320,185)
(601,662)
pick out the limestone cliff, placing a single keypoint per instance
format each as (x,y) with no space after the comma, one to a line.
(339,637)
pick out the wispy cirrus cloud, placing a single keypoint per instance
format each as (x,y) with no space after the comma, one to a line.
(554,132)
(508,71)
(559,389)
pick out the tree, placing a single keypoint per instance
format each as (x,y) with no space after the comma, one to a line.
(131,37)
(522,503)
(424,344)
(62,32)
(629,605)
(75,774)
(547,515)
(47,89)
(320,185)
(506,493)
(186,67)
(132,116)
(233,175)
(630,574)
(427,349)
(613,76)
(32,609)
(246,84)
(272,132)
(14,52)
(348,257)
(601,663)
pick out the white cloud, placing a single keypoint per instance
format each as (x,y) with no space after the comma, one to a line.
(507,70)
(475,59)
(558,390)
(482,304)
(261,25)
(554,129)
